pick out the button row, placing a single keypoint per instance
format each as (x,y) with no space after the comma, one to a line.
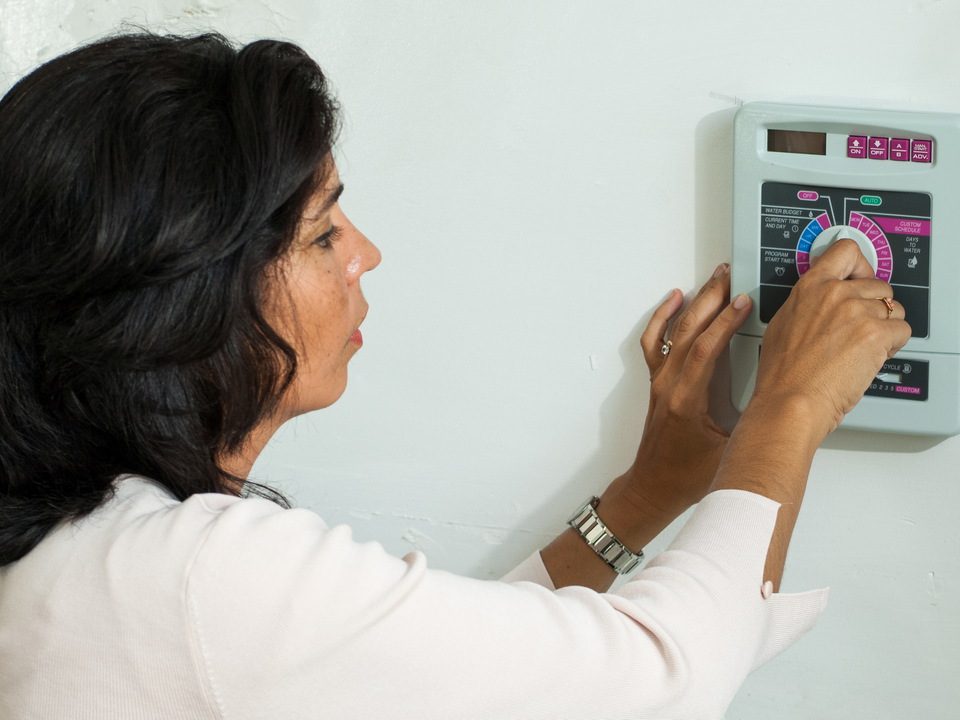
(884,148)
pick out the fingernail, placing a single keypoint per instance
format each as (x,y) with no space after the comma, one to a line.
(767,590)
(722,269)
(741,301)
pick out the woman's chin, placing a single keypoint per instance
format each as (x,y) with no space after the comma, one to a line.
(318,397)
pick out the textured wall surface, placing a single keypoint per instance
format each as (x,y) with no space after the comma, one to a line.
(538,175)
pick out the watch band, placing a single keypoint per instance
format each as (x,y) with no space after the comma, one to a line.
(603,542)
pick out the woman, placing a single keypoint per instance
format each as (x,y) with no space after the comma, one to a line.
(177,279)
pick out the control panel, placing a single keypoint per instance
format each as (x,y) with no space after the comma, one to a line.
(807,176)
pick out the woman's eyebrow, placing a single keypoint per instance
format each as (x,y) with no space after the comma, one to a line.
(334,196)
(327,204)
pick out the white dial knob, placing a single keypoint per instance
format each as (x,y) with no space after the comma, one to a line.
(838,232)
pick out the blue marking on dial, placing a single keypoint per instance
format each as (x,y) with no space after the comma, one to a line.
(809,234)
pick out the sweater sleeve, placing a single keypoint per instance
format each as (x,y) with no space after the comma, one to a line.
(296,620)
(531,570)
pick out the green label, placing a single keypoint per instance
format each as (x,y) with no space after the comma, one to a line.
(870,200)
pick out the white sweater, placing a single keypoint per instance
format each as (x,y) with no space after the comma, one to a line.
(235,609)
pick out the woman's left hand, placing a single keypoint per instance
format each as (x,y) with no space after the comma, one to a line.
(681,444)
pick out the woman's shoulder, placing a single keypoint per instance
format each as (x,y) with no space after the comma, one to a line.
(143,532)
(142,519)
(115,584)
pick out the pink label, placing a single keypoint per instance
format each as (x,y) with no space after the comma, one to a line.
(873,232)
(885,264)
(824,220)
(803,257)
(883,251)
(808,195)
(904,226)
(907,390)
(855,219)
(883,275)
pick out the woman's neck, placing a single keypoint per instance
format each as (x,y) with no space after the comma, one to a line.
(239,462)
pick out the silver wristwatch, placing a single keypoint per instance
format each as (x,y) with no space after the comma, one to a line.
(603,542)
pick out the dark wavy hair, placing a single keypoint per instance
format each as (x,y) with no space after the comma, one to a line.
(148,186)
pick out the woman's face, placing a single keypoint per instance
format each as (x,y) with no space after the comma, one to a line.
(320,305)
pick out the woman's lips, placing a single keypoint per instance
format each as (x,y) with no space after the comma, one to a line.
(357,337)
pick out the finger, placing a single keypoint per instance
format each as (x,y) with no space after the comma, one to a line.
(652,338)
(842,260)
(872,288)
(876,293)
(718,272)
(901,336)
(879,307)
(899,332)
(700,362)
(894,333)
(702,310)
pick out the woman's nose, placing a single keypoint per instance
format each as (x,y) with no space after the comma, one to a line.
(374,253)
(363,257)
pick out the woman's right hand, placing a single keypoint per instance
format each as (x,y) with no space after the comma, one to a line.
(829,340)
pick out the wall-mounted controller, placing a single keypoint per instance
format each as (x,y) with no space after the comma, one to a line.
(805,176)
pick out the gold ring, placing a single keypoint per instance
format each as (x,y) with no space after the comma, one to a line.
(890,306)
(665,348)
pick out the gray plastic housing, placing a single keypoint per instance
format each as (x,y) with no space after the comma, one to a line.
(754,165)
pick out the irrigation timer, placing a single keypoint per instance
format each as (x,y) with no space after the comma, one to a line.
(806,176)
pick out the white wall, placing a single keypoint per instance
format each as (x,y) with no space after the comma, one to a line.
(538,175)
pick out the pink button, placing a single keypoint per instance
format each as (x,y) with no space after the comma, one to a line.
(885,264)
(900,149)
(883,275)
(808,195)
(824,220)
(878,147)
(855,219)
(874,233)
(922,151)
(857,146)
(883,252)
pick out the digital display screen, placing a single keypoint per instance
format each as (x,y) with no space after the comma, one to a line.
(893,378)
(795,141)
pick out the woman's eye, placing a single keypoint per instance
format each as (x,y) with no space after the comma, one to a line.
(328,238)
